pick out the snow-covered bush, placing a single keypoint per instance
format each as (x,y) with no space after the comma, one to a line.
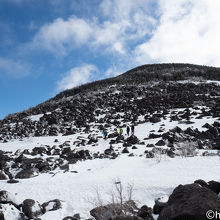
(187,148)
(159,154)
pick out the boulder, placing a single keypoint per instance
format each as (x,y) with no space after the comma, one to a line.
(31,208)
(145,213)
(51,205)
(160,143)
(105,212)
(108,151)
(113,135)
(3,176)
(153,136)
(8,198)
(39,150)
(149,154)
(111,211)
(120,138)
(190,202)
(43,167)
(71,218)
(158,206)
(154,119)
(120,217)
(150,145)
(132,139)
(25,174)
(170,153)
(77,216)
(201,183)
(2,217)
(125,151)
(9,212)
(12,181)
(214,186)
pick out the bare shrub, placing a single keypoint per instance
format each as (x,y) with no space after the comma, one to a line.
(159,154)
(119,201)
(187,148)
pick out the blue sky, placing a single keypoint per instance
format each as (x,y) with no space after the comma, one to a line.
(47,46)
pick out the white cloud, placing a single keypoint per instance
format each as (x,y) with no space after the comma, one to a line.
(62,35)
(14,68)
(138,32)
(77,76)
(189,31)
(124,21)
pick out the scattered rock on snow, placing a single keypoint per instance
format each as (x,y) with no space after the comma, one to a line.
(145,213)
(3,176)
(31,208)
(160,143)
(51,205)
(12,181)
(24,174)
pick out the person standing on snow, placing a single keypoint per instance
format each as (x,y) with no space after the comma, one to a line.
(120,131)
(105,134)
(128,130)
(132,129)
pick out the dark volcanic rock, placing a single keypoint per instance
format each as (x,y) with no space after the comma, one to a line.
(3,176)
(145,213)
(2,217)
(6,197)
(214,186)
(126,218)
(111,211)
(190,202)
(12,181)
(158,206)
(70,218)
(43,166)
(152,135)
(105,212)
(149,154)
(125,151)
(25,174)
(108,151)
(160,143)
(51,205)
(31,208)
(39,150)
(154,119)
(75,217)
(9,212)
(201,183)
(132,139)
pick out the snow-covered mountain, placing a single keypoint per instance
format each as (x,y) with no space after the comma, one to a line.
(56,152)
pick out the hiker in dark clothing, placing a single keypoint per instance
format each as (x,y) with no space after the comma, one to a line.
(132,129)
(105,134)
(128,130)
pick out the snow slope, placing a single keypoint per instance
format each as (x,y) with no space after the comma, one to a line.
(152,178)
